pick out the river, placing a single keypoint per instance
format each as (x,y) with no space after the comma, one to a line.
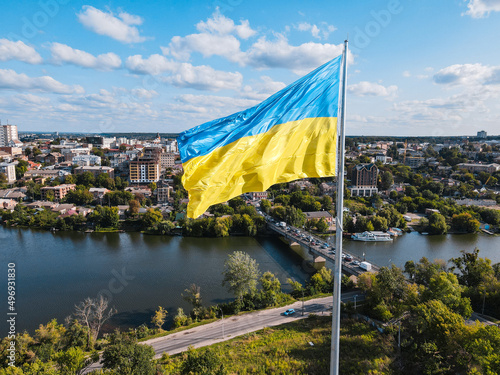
(54,271)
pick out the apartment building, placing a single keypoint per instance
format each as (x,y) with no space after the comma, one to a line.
(86,160)
(144,171)
(60,191)
(8,134)
(9,170)
(476,168)
(364,180)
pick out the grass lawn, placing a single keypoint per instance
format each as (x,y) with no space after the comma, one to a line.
(286,349)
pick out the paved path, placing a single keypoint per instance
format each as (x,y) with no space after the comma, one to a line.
(228,328)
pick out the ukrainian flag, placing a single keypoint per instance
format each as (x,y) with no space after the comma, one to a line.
(290,135)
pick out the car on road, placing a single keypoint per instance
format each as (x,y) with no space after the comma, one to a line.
(355,263)
(348,258)
(289,312)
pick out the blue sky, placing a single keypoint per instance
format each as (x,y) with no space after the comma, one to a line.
(417,67)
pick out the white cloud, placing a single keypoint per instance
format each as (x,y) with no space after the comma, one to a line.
(30,99)
(201,77)
(482,8)
(322,31)
(18,51)
(206,44)
(279,54)
(365,88)
(61,53)
(153,65)
(406,74)
(468,74)
(218,36)
(121,28)
(219,24)
(451,110)
(355,118)
(9,79)
(262,90)
(143,93)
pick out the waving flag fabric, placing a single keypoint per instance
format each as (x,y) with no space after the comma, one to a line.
(290,135)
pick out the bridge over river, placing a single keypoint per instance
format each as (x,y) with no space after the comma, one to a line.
(316,247)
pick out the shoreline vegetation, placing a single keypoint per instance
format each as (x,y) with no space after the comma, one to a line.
(429,302)
(403,191)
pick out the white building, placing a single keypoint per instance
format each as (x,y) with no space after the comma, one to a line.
(86,160)
(8,135)
(482,134)
(9,170)
(171,146)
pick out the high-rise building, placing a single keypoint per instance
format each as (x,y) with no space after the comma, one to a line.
(144,171)
(364,180)
(8,133)
(482,134)
(364,175)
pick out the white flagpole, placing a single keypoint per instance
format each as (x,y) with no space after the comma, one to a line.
(337,277)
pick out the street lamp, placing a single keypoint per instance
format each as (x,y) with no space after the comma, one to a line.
(355,302)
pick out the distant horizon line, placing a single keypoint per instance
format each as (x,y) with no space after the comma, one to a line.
(176,134)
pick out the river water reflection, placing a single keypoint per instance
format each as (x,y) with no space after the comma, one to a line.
(140,272)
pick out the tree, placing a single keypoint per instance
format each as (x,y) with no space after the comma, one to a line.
(127,357)
(265,205)
(204,362)
(49,195)
(193,296)
(271,288)
(472,270)
(386,180)
(115,198)
(86,178)
(106,217)
(437,224)
(133,207)
(73,361)
(221,209)
(152,186)
(236,202)
(93,313)
(70,179)
(21,168)
(151,218)
(322,225)
(76,335)
(180,319)
(444,287)
(464,222)
(240,273)
(165,227)
(79,196)
(282,199)
(294,216)
(159,317)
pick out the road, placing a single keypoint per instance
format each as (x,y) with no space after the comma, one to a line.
(303,238)
(228,328)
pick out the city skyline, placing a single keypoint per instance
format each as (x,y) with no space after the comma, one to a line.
(100,67)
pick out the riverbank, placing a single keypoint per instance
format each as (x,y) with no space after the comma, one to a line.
(58,270)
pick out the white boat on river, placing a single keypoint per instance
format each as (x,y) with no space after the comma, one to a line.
(373,236)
